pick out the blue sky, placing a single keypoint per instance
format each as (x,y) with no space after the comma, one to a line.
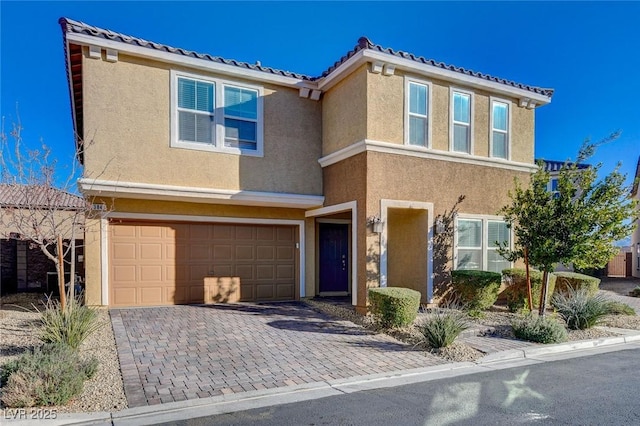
(588,52)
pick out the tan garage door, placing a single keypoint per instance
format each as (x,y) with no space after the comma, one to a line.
(174,263)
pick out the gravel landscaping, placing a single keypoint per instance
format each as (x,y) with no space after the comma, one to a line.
(19,322)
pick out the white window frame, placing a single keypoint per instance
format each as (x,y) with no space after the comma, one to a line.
(508,103)
(219,116)
(485,232)
(407,98)
(452,92)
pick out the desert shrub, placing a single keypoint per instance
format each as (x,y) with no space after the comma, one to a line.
(442,327)
(579,309)
(619,308)
(394,306)
(48,375)
(564,280)
(70,326)
(539,329)
(635,292)
(516,291)
(477,290)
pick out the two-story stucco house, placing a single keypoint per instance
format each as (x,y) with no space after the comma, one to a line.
(233,181)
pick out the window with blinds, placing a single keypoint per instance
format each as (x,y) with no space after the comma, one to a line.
(214,115)
(500,129)
(477,243)
(418,114)
(461,122)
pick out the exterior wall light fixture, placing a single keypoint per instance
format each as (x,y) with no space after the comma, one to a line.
(376,223)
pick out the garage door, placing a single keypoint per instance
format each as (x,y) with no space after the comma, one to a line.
(175,263)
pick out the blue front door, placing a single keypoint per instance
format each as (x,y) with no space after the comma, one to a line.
(334,257)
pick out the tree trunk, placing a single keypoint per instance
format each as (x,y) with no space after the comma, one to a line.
(529,293)
(72,271)
(543,293)
(63,293)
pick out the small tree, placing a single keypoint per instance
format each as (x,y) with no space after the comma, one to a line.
(41,207)
(578,224)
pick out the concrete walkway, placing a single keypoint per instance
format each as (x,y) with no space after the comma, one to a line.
(618,289)
(179,353)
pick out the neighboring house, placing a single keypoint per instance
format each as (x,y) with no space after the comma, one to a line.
(235,181)
(635,239)
(23,265)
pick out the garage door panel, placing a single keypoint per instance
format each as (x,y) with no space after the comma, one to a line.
(168,263)
(284,272)
(245,233)
(285,291)
(150,251)
(151,273)
(150,232)
(124,274)
(223,253)
(151,295)
(265,233)
(267,253)
(285,234)
(124,251)
(265,272)
(244,252)
(285,253)
(245,272)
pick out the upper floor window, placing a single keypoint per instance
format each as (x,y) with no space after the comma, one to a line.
(477,242)
(499,129)
(461,121)
(417,122)
(216,115)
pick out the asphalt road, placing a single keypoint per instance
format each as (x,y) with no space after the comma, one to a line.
(595,390)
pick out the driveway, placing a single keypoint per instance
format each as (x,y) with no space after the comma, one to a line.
(177,353)
(619,288)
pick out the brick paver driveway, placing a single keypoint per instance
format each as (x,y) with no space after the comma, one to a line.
(184,352)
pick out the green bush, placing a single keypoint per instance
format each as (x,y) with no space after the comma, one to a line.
(579,309)
(564,280)
(69,327)
(635,292)
(477,290)
(394,306)
(539,329)
(442,327)
(516,291)
(48,375)
(619,308)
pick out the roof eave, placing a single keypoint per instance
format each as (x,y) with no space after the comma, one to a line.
(367,55)
(196,63)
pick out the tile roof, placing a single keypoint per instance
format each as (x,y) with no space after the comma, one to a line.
(72,26)
(364,44)
(555,166)
(36,196)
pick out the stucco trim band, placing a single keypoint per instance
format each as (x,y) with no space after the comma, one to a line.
(148,191)
(415,151)
(205,219)
(385,205)
(351,206)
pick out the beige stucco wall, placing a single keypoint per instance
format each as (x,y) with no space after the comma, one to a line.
(344,112)
(386,109)
(66,223)
(127,132)
(93,253)
(407,249)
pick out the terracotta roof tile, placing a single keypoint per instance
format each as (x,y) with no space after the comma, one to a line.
(38,196)
(77,27)
(71,26)
(555,166)
(364,43)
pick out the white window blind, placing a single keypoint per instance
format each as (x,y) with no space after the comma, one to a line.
(500,129)
(418,114)
(461,122)
(196,111)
